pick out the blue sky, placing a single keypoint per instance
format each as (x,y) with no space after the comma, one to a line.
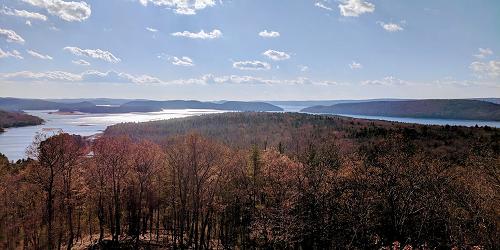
(250,49)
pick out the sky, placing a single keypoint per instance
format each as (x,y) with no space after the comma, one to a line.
(250,49)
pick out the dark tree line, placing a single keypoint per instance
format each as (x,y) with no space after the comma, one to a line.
(306,182)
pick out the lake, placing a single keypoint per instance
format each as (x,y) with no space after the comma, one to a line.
(14,141)
(430,121)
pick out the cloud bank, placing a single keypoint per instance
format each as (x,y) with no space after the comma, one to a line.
(94,53)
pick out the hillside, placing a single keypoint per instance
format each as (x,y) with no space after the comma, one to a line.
(248,106)
(190,104)
(15,119)
(310,103)
(293,131)
(96,101)
(94,105)
(443,109)
(18,104)
(351,166)
(259,180)
(493,100)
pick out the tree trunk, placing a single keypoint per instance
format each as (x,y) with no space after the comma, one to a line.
(50,211)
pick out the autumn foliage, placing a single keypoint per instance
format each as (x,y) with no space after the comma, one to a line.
(256,181)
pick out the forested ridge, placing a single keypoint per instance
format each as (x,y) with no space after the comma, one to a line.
(17,119)
(257,181)
(116,106)
(431,108)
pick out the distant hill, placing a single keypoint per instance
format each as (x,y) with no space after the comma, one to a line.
(151,106)
(243,129)
(493,100)
(15,119)
(18,104)
(310,103)
(248,106)
(444,109)
(172,104)
(269,129)
(191,104)
(96,101)
(87,106)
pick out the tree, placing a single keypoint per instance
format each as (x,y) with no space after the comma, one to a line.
(147,161)
(112,155)
(57,156)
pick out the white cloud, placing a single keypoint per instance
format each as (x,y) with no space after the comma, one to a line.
(151,29)
(41,76)
(386,81)
(142,79)
(200,35)
(120,77)
(485,70)
(23,14)
(251,65)
(322,6)
(450,81)
(81,62)
(94,53)
(269,34)
(11,36)
(355,65)
(484,53)
(303,68)
(97,76)
(237,79)
(183,61)
(391,27)
(94,76)
(182,7)
(354,8)
(28,22)
(391,81)
(276,55)
(185,11)
(66,10)
(38,55)
(87,76)
(116,77)
(13,53)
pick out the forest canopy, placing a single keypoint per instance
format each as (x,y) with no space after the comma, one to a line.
(17,119)
(257,180)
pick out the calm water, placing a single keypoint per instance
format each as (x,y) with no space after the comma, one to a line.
(14,141)
(428,121)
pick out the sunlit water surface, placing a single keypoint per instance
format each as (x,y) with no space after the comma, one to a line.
(430,121)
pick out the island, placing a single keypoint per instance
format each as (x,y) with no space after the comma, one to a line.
(17,119)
